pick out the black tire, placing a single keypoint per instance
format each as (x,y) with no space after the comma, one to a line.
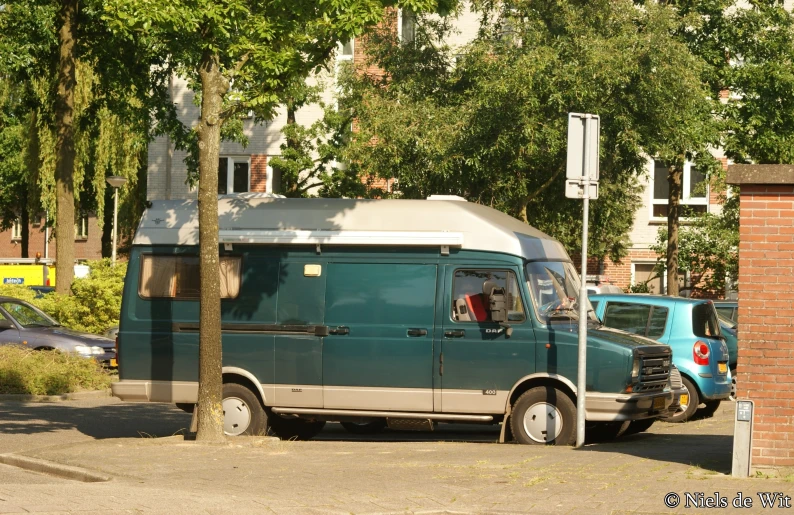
(709,409)
(733,385)
(187,407)
(684,413)
(365,428)
(544,403)
(243,413)
(294,428)
(599,432)
(638,426)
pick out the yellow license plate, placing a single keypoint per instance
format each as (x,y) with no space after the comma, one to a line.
(658,403)
(723,368)
(113,362)
(684,400)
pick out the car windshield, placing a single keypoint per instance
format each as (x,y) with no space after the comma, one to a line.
(28,316)
(555,290)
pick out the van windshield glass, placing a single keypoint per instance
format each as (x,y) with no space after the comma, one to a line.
(555,290)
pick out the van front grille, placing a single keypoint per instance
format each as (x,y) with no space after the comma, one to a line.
(654,372)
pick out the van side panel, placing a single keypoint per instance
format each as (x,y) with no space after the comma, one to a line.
(382,354)
(299,357)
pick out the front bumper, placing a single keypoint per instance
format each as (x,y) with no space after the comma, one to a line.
(618,407)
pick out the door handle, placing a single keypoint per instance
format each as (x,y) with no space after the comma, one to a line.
(455,333)
(417,332)
(340,330)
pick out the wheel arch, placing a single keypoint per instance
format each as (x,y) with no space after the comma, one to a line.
(540,379)
(244,378)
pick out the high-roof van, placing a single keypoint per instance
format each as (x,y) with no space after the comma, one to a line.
(403,313)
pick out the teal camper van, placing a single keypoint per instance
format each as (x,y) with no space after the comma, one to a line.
(403,313)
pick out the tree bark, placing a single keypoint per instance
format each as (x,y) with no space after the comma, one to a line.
(675,175)
(64,148)
(210,410)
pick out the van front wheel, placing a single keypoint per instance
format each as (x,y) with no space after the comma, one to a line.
(242,412)
(544,416)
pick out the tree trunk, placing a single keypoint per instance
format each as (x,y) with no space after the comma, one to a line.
(675,176)
(64,148)
(210,410)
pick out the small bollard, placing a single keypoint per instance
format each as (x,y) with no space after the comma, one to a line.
(743,439)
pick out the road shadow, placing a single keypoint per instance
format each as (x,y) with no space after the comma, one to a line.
(708,451)
(121,420)
(464,433)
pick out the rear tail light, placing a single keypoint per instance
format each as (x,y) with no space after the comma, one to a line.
(700,353)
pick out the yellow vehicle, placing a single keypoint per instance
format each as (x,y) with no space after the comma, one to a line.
(27,272)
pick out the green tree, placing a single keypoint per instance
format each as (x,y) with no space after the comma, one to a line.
(490,124)
(90,99)
(261,48)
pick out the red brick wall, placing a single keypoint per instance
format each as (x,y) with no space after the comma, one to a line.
(259,173)
(766,318)
(90,248)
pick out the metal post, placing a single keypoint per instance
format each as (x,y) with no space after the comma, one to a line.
(581,383)
(115,220)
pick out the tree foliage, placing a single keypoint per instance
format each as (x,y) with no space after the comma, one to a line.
(490,123)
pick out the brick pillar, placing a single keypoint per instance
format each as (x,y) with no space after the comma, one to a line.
(766,307)
(259,173)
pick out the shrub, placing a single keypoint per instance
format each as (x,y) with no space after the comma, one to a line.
(32,372)
(95,302)
(18,291)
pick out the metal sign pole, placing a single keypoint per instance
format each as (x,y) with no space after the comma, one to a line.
(581,383)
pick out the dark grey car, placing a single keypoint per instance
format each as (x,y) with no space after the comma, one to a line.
(27,326)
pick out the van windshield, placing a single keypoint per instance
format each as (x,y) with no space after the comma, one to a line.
(555,290)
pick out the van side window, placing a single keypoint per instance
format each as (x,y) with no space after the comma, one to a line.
(177,277)
(657,322)
(469,297)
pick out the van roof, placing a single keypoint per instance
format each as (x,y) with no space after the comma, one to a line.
(349,222)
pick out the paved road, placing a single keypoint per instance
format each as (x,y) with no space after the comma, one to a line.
(456,470)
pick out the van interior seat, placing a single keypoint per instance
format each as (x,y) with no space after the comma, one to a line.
(476,304)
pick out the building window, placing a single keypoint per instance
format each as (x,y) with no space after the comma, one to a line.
(406,23)
(16,230)
(345,52)
(233,175)
(695,191)
(81,228)
(177,277)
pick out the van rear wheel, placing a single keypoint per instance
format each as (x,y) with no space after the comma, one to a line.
(243,414)
(544,416)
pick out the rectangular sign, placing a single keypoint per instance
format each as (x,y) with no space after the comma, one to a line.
(584,131)
(575,189)
(13,280)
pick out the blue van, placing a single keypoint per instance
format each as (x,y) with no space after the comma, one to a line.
(691,328)
(398,313)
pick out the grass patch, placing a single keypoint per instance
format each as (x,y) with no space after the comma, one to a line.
(25,371)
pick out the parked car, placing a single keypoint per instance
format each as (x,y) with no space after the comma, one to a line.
(730,330)
(27,326)
(112,332)
(728,308)
(691,328)
(601,284)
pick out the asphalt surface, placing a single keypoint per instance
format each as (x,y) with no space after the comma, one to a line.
(457,469)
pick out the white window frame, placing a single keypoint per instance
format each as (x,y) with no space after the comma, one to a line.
(81,228)
(230,172)
(16,230)
(346,57)
(400,35)
(686,200)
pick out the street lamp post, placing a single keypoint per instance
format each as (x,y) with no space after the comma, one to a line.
(115,182)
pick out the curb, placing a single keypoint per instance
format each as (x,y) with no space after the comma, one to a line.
(53,469)
(74,396)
